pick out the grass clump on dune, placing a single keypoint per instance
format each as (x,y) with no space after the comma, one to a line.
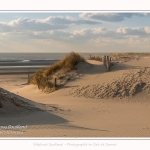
(44,78)
(98,58)
(130,54)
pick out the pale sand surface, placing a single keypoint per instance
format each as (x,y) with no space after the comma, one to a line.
(87,106)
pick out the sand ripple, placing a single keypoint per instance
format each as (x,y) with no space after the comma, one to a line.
(130,83)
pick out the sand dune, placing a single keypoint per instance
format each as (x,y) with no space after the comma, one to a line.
(94,103)
(129,84)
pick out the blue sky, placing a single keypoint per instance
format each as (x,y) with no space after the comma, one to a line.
(74,31)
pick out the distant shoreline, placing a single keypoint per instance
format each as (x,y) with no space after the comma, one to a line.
(7,68)
(12,67)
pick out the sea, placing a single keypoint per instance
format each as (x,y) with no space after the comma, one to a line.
(29,62)
(24,57)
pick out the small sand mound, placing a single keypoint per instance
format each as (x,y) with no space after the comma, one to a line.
(12,104)
(15,104)
(130,83)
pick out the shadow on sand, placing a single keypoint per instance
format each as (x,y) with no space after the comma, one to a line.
(100,69)
(41,118)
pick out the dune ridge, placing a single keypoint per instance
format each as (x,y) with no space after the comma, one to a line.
(129,84)
(15,104)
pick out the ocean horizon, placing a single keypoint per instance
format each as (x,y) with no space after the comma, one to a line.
(34,57)
(14,63)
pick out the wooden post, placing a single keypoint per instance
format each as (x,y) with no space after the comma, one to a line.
(104,61)
(55,82)
(110,59)
(107,62)
(110,62)
(28,78)
(1,97)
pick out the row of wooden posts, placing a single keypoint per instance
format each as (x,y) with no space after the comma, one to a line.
(107,62)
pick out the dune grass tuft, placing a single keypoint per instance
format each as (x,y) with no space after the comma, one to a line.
(98,58)
(130,54)
(44,78)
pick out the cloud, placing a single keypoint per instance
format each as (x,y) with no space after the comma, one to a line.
(28,24)
(73,36)
(50,23)
(87,34)
(134,31)
(84,38)
(111,17)
(52,34)
(68,20)
(142,14)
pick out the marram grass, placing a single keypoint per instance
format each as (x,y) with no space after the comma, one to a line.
(44,78)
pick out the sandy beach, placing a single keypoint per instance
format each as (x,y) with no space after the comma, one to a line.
(93,103)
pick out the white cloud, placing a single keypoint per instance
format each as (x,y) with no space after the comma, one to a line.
(99,30)
(50,23)
(147,30)
(79,32)
(111,17)
(23,24)
(134,31)
(58,32)
(87,34)
(87,38)
(67,20)
(74,36)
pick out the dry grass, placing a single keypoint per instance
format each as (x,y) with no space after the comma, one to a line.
(44,78)
(128,56)
(98,58)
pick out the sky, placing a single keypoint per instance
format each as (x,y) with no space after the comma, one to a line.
(59,32)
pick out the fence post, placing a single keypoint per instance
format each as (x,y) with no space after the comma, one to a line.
(55,80)
(110,59)
(28,78)
(107,62)
(104,61)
